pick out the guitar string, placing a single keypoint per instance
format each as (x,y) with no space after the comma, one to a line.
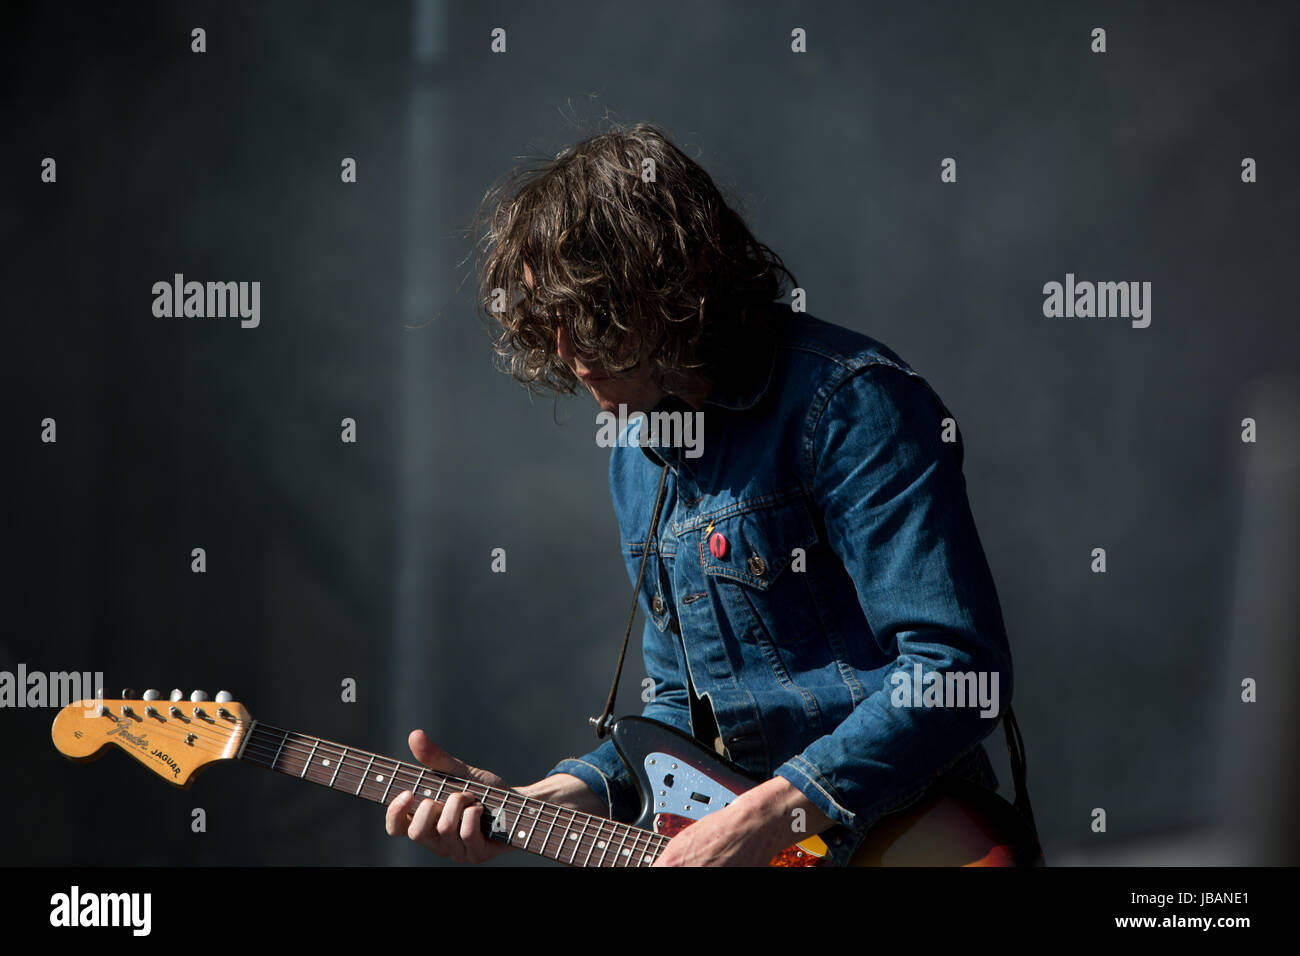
(643,841)
(546,813)
(616,838)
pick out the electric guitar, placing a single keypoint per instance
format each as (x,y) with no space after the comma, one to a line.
(956,824)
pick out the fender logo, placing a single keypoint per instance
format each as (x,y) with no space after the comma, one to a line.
(141,740)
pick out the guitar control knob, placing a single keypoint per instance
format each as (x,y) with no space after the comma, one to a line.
(177,694)
(152,694)
(198,695)
(224,697)
(128,692)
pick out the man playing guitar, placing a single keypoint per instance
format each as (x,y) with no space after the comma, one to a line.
(818,606)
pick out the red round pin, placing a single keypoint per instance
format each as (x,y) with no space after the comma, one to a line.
(718,545)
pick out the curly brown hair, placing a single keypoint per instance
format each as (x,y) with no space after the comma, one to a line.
(639,267)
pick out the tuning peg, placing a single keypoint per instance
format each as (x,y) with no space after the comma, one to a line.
(198,695)
(128,692)
(224,697)
(152,694)
(177,694)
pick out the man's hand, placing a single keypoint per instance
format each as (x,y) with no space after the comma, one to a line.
(451,829)
(755,828)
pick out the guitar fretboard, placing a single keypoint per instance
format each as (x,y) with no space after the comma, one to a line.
(546,829)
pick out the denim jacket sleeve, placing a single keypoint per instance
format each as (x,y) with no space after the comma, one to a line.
(893,499)
(602,770)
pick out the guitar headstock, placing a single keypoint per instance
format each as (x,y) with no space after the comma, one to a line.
(174,738)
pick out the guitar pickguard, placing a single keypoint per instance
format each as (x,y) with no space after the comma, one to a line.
(682,790)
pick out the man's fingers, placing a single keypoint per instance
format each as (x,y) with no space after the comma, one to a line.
(449,826)
(471,834)
(423,828)
(395,820)
(433,756)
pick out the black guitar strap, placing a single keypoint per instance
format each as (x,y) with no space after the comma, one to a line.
(1019,769)
(603,721)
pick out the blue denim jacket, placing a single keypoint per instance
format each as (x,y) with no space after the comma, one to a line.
(832,448)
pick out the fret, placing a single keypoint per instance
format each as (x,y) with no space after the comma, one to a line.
(337,767)
(647,856)
(507,827)
(623,852)
(604,850)
(392,775)
(591,849)
(546,840)
(415,791)
(314,743)
(531,830)
(639,850)
(283,738)
(569,837)
(636,847)
(365,773)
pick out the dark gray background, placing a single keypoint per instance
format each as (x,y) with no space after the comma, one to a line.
(371,560)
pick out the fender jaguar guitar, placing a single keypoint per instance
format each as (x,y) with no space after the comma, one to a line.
(680,782)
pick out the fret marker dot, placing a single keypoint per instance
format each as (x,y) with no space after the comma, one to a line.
(600,844)
(573,836)
(428,792)
(379,778)
(520,834)
(325,762)
(646,858)
(627,852)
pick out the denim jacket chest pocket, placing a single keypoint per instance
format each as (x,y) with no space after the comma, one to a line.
(755,560)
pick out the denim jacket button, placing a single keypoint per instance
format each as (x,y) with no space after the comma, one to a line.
(757,566)
(657,605)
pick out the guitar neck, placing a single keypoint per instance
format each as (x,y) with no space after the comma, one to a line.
(545,829)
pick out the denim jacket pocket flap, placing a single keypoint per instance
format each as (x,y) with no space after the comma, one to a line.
(756,547)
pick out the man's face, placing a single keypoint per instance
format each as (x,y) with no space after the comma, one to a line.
(633,388)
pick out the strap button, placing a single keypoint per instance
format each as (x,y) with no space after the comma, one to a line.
(757,566)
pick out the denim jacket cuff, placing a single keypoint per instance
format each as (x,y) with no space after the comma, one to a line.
(618,807)
(808,780)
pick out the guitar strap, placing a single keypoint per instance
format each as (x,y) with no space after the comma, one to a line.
(1019,769)
(1015,742)
(602,722)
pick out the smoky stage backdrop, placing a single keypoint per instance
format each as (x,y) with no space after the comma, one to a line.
(926,170)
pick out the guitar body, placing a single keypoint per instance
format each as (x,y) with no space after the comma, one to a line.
(956,823)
